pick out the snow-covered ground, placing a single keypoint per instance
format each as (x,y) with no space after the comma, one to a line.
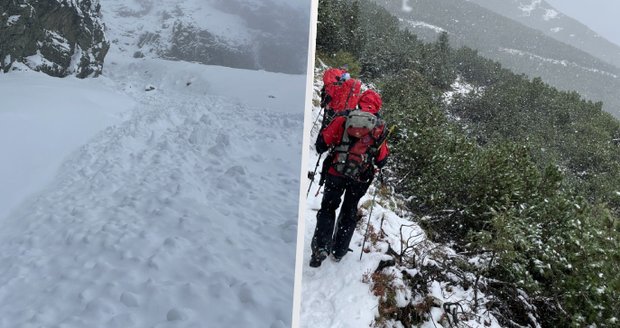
(460,88)
(173,207)
(340,295)
(42,120)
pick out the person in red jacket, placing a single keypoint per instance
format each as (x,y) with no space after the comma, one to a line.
(340,92)
(357,150)
(331,78)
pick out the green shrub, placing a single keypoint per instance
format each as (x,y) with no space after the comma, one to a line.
(341,58)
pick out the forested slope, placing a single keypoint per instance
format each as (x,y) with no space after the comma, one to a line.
(516,174)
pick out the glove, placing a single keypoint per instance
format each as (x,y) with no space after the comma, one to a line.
(320,145)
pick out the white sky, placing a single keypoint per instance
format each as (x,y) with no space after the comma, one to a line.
(600,16)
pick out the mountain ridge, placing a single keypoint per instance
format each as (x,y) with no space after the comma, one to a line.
(559,64)
(542,16)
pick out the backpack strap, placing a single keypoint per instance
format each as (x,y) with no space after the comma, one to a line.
(346,103)
(379,140)
(343,113)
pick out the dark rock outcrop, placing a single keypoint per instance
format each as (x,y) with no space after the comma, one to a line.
(195,45)
(274,34)
(57,37)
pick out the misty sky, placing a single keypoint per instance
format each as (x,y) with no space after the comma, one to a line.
(601,16)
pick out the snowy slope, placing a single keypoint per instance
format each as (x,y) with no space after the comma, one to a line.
(342,294)
(37,133)
(184,211)
(174,207)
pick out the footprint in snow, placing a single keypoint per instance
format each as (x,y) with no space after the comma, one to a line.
(129,299)
(122,320)
(278,324)
(236,171)
(199,135)
(246,295)
(222,139)
(176,315)
(98,308)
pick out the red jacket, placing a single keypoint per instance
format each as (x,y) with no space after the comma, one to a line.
(332,136)
(330,78)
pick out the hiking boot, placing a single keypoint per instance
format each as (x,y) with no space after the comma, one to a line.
(337,257)
(317,258)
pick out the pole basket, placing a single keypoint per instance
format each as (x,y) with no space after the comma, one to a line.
(311,175)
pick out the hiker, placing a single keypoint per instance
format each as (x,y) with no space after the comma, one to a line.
(331,77)
(357,144)
(339,93)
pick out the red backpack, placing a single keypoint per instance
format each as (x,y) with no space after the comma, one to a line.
(370,102)
(363,134)
(332,75)
(346,96)
(331,81)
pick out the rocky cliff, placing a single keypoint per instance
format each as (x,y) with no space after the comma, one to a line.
(58,37)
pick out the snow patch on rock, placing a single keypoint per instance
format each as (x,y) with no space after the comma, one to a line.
(527,8)
(550,14)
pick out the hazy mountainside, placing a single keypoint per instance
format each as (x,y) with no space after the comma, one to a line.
(241,33)
(514,45)
(57,37)
(542,16)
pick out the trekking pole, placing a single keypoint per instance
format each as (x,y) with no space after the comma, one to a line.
(317,118)
(368,223)
(312,174)
(318,191)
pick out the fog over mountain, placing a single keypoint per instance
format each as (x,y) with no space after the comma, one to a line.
(599,15)
(541,15)
(266,34)
(518,46)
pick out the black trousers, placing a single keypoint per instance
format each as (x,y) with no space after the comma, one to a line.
(324,236)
